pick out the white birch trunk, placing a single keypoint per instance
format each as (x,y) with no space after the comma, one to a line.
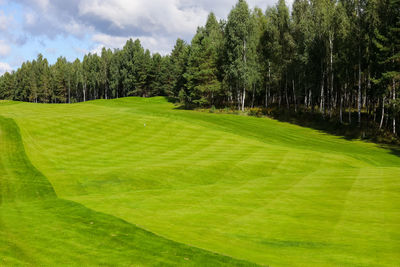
(383,112)
(394,106)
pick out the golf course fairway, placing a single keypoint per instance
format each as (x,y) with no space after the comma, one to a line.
(136,181)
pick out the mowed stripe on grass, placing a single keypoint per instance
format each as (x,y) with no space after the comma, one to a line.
(255,189)
(39,229)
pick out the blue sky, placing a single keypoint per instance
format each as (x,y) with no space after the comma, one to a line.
(72,28)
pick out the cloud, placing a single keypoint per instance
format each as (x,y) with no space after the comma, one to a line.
(5,21)
(155,44)
(43,4)
(81,51)
(5,49)
(178,18)
(4,67)
(52,18)
(9,29)
(109,41)
(142,17)
(109,23)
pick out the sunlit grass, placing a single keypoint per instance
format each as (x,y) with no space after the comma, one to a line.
(250,188)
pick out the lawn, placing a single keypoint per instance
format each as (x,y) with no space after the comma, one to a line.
(136,180)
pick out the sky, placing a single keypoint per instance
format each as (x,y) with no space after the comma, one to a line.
(73,28)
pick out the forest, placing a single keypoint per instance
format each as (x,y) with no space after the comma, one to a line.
(337,58)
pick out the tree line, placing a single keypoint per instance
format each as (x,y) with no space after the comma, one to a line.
(335,57)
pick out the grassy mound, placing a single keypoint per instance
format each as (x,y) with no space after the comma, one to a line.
(37,228)
(250,188)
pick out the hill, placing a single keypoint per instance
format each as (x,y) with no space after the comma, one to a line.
(250,188)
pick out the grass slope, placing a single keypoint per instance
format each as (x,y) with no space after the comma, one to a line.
(37,228)
(255,189)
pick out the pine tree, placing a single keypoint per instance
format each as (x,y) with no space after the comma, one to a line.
(178,62)
(202,70)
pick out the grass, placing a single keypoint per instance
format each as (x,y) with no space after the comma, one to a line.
(37,228)
(249,188)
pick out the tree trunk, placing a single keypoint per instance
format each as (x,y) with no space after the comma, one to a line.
(232,93)
(280,96)
(105,91)
(268,85)
(341,102)
(286,94)
(305,97)
(243,97)
(238,98)
(349,100)
(340,109)
(331,70)
(322,103)
(294,96)
(383,112)
(394,107)
(69,91)
(84,92)
(266,95)
(244,81)
(359,86)
(252,100)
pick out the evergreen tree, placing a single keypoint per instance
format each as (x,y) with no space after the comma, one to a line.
(178,62)
(202,70)
(331,54)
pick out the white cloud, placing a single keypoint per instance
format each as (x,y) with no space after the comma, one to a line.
(144,16)
(109,23)
(43,4)
(75,28)
(109,41)
(160,45)
(4,67)
(177,18)
(5,49)
(97,50)
(157,23)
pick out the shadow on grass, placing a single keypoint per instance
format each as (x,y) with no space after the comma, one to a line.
(170,99)
(367,130)
(178,104)
(393,150)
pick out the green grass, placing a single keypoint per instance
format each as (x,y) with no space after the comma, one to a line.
(249,188)
(37,228)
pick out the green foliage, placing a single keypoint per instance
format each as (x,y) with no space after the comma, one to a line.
(334,55)
(202,71)
(256,112)
(212,109)
(177,63)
